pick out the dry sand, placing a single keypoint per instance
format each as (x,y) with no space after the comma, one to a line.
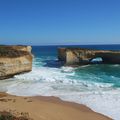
(48,108)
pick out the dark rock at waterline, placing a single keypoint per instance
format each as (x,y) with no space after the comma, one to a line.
(15,60)
(79,56)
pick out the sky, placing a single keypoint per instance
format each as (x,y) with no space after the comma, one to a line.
(59,22)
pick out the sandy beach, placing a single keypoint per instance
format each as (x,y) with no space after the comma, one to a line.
(48,108)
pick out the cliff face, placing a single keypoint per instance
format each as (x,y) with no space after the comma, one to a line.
(62,54)
(78,56)
(14,60)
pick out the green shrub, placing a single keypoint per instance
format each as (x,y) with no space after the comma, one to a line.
(8,116)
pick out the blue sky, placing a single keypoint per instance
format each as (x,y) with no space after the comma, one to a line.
(47,22)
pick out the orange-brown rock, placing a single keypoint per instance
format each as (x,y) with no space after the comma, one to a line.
(79,56)
(15,60)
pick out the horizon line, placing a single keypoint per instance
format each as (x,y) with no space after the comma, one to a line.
(62,44)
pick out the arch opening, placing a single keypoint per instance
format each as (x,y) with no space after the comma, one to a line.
(97,60)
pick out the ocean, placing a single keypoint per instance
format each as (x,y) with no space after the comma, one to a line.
(96,86)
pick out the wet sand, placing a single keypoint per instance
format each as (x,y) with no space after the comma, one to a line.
(48,108)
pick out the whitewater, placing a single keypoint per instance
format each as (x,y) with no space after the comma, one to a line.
(96,86)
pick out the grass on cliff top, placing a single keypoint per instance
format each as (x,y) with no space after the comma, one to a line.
(8,116)
(6,51)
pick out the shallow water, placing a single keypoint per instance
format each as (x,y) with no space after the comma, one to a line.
(97,86)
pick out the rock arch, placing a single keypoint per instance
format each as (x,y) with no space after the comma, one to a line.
(79,56)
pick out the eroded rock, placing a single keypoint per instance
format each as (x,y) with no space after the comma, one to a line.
(15,60)
(78,56)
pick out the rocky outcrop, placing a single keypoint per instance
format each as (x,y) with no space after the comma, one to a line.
(78,56)
(15,60)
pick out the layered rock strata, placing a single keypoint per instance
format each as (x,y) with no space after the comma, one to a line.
(79,56)
(15,60)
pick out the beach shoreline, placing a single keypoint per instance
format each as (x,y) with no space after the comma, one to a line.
(48,108)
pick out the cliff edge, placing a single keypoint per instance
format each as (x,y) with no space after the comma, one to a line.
(15,60)
(79,56)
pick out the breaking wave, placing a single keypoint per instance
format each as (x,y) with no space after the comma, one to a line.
(97,86)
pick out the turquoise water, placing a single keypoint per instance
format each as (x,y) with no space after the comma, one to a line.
(100,73)
(96,85)
(94,73)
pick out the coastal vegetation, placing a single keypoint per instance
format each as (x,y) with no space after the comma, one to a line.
(11,51)
(15,60)
(4,115)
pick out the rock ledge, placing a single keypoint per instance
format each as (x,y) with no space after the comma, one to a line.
(15,60)
(79,56)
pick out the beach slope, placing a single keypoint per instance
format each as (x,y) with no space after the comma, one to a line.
(48,108)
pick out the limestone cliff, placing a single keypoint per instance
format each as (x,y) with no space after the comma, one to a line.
(15,60)
(78,56)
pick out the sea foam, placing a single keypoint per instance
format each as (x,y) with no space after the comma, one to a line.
(61,82)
